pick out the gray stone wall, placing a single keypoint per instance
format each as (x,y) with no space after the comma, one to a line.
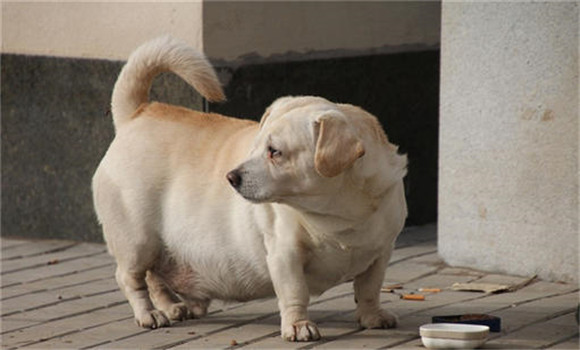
(55,129)
(509,143)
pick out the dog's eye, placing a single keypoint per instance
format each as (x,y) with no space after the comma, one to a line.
(273,153)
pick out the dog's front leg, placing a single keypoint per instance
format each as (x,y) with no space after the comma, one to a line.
(286,265)
(287,275)
(367,290)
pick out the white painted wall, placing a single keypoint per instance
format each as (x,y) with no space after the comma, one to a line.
(509,138)
(223,29)
(109,30)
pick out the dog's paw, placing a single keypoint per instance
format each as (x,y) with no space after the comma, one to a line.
(152,319)
(301,331)
(197,308)
(380,319)
(179,312)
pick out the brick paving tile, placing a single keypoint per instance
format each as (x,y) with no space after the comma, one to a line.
(414,343)
(412,251)
(45,331)
(46,271)
(236,335)
(8,325)
(75,303)
(539,335)
(32,248)
(57,282)
(570,344)
(7,243)
(94,336)
(369,339)
(72,307)
(58,296)
(408,271)
(75,252)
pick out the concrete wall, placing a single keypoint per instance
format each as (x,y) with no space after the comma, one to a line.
(509,138)
(234,30)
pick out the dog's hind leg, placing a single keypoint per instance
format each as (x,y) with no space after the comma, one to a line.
(165,300)
(135,253)
(133,285)
(174,289)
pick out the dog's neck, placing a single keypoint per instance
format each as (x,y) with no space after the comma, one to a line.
(350,217)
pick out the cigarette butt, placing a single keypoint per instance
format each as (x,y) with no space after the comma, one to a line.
(417,297)
(391,288)
(430,290)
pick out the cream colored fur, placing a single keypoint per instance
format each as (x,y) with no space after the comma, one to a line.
(316,199)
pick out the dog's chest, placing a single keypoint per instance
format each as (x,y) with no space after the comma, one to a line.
(331,264)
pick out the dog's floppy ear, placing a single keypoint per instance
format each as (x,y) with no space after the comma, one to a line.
(265,116)
(337,148)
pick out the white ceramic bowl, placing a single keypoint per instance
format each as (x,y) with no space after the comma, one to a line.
(453,335)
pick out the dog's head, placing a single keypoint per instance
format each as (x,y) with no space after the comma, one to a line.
(308,148)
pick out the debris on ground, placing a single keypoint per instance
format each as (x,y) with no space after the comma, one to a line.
(416,297)
(480,287)
(398,289)
(391,288)
(491,287)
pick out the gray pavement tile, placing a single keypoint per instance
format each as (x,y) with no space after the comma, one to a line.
(236,335)
(7,243)
(47,330)
(367,339)
(569,344)
(32,248)
(273,341)
(74,307)
(8,325)
(540,314)
(75,252)
(410,252)
(538,335)
(59,296)
(407,271)
(414,343)
(55,283)
(55,270)
(93,337)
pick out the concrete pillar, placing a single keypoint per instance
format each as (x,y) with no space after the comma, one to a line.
(509,137)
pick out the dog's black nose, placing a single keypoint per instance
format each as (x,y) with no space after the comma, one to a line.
(234,178)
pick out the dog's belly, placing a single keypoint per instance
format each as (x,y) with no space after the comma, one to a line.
(220,251)
(223,278)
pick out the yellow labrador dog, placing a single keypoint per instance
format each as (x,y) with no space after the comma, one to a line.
(198,206)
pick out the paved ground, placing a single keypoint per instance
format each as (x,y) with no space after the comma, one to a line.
(58,294)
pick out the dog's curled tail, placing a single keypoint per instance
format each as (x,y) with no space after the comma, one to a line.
(152,58)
